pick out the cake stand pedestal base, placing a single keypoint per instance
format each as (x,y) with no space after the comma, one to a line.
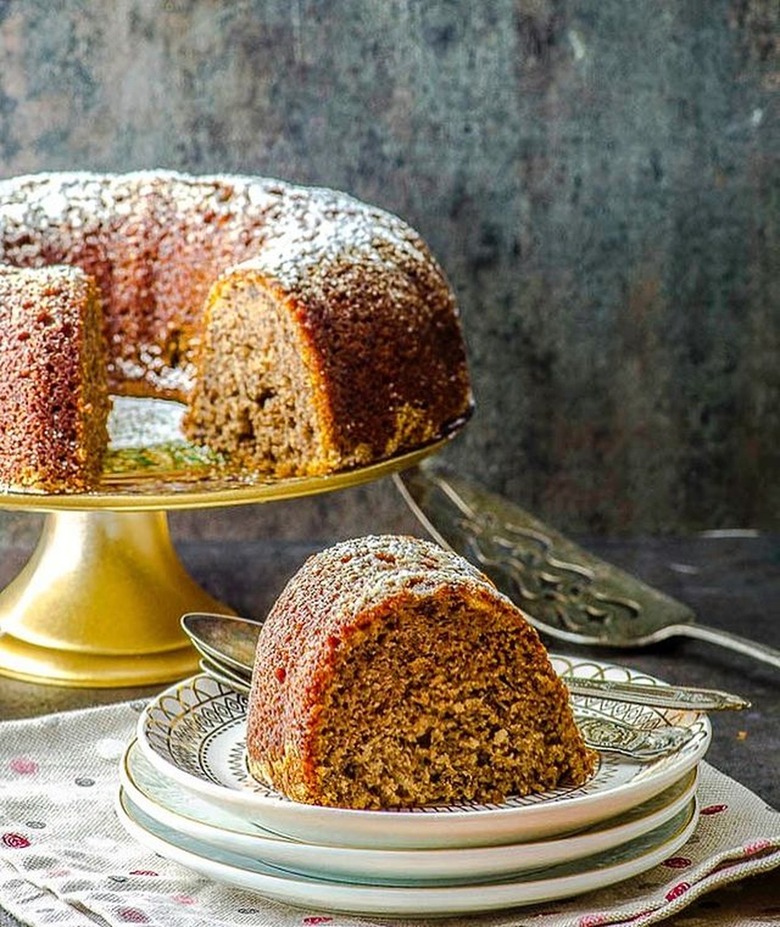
(99,604)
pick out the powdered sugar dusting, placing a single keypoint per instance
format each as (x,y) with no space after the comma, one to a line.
(133,422)
(291,227)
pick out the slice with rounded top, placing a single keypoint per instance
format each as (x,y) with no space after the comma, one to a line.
(392,673)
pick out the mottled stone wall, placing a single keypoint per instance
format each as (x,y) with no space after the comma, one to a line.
(600,179)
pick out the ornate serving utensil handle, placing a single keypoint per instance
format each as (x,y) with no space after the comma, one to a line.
(565,591)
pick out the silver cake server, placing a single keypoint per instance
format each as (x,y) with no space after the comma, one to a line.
(227,644)
(565,591)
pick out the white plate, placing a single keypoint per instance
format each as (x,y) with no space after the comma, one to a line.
(561,881)
(173,807)
(194,733)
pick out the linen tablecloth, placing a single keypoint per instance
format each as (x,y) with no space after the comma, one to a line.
(66,860)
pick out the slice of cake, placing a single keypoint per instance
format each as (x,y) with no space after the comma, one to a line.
(392,673)
(53,399)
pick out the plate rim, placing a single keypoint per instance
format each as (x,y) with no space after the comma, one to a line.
(406,900)
(489,861)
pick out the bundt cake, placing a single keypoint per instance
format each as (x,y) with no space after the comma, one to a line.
(53,400)
(392,673)
(306,331)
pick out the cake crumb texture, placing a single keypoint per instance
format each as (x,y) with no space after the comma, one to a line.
(391,673)
(53,400)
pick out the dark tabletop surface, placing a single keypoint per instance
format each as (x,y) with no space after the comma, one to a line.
(732,580)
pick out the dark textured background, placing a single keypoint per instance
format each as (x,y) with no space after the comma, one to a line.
(600,179)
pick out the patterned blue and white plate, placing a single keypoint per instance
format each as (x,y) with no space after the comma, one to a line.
(194,734)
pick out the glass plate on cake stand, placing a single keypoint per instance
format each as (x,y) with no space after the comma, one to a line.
(98,604)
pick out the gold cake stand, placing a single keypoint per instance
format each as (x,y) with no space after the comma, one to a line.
(100,600)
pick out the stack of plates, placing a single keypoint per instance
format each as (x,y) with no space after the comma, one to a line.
(186,794)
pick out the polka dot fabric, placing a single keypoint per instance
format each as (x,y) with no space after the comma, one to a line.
(65,860)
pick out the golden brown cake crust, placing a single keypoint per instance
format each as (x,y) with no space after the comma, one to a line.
(441,726)
(53,401)
(385,347)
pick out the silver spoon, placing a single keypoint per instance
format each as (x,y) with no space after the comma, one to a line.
(565,591)
(225,639)
(226,675)
(230,643)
